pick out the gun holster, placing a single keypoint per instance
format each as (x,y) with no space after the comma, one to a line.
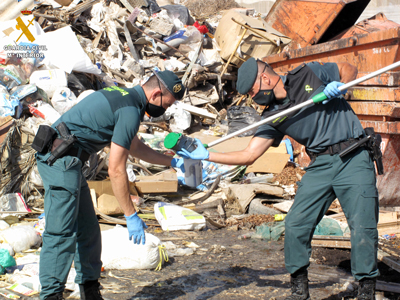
(374,147)
(62,144)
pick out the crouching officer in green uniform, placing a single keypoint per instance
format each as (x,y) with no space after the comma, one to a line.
(72,232)
(325,130)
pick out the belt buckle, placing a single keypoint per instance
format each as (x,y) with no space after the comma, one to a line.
(335,149)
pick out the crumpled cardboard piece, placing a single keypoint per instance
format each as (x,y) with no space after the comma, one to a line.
(244,193)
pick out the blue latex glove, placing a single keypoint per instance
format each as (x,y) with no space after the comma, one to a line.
(200,153)
(136,228)
(332,91)
(178,163)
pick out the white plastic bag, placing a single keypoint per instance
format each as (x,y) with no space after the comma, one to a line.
(13,202)
(45,111)
(3,225)
(21,237)
(173,217)
(174,65)
(49,80)
(63,99)
(182,118)
(118,252)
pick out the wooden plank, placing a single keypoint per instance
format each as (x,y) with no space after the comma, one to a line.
(331,243)
(5,125)
(197,111)
(380,285)
(389,230)
(389,260)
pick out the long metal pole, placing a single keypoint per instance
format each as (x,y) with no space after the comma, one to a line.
(316,99)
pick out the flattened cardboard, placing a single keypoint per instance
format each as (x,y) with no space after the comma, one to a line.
(272,161)
(269,163)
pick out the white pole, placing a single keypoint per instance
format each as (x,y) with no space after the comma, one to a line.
(304,104)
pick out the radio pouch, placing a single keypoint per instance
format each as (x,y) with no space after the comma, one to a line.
(44,139)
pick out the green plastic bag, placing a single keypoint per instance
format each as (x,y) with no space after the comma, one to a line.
(270,231)
(328,226)
(6,260)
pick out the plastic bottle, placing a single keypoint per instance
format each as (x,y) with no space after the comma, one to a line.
(193,168)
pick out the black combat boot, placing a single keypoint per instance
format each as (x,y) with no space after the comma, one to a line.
(57,296)
(299,286)
(90,290)
(366,289)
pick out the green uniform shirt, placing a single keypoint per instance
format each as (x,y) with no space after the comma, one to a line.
(318,126)
(109,115)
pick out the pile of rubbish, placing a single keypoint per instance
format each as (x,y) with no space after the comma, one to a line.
(74,48)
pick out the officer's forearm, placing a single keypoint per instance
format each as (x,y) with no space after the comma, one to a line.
(143,152)
(120,186)
(347,72)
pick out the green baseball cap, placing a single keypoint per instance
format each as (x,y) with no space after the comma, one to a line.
(172,83)
(247,75)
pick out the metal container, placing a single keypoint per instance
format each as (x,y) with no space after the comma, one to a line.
(369,45)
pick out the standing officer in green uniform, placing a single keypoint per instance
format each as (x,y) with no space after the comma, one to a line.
(72,232)
(325,130)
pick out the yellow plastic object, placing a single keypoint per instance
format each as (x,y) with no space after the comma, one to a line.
(163,255)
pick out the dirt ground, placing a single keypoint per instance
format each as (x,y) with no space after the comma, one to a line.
(225,267)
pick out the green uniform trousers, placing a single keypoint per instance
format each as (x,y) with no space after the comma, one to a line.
(352,180)
(72,231)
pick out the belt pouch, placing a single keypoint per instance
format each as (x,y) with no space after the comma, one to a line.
(44,138)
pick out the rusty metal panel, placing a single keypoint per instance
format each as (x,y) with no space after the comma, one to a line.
(376,23)
(376,108)
(374,94)
(382,126)
(308,21)
(369,52)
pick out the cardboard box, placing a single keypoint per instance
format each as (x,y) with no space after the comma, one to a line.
(228,33)
(165,182)
(105,201)
(108,204)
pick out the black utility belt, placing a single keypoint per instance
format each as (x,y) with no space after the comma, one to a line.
(60,145)
(335,148)
(371,142)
